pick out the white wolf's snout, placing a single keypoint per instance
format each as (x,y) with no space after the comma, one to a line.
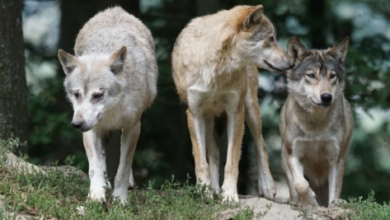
(86,118)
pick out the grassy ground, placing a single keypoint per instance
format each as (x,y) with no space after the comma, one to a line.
(54,196)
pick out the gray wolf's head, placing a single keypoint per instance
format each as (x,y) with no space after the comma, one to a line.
(254,37)
(318,76)
(92,85)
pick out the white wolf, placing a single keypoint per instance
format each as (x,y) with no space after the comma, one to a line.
(111,81)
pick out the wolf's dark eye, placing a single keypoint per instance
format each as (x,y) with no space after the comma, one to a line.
(271,39)
(311,75)
(76,95)
(97,95)
(332,76)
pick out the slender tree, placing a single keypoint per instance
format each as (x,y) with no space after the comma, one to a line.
(13,88)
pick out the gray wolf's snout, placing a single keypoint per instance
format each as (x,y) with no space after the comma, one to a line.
(326,98)
(292,64)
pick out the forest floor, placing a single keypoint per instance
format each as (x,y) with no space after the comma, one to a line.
(29,192)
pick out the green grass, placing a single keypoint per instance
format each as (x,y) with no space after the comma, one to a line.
(59,197)
(367,209)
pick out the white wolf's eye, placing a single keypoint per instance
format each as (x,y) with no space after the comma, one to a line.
(76,95)
(332,75)
(271,39)
(97,95)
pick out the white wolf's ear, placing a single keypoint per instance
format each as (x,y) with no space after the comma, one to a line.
(340,51)
(68,61)
(254,18)
(117,60)
(295,49)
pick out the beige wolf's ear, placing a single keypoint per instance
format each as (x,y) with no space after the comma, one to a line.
(340,51)
(117,60)
(68,61)
(295,49)
(254,18)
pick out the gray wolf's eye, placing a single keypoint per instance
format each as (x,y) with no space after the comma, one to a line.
(97,95)
(76,95)
(311,75)
(332,76)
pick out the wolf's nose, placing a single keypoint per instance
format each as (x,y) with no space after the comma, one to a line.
(77,124)
(326,98)
(292,64)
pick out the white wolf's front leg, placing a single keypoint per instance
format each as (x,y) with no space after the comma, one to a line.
(235,131)
(97,165)
(129,141)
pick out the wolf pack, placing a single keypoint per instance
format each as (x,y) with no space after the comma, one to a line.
(112,79)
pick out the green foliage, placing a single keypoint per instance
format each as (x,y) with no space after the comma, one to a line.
(368,209)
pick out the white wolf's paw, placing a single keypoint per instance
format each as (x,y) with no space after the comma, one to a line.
(267,188)
(98,195)
(229,194)
(121,195)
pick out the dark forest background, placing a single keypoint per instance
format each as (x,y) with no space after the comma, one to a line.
(164,147)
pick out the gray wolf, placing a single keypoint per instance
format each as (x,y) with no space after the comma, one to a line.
(110,82)
(316,124)
(214,61)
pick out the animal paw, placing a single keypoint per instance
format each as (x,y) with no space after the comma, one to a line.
(229,194)
(121,195)
(267,188)
(98,195)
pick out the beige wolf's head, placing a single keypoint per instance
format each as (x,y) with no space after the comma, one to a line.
(318,76)
(253,36)
(92,85)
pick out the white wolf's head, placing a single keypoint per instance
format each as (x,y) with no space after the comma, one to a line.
(92,85)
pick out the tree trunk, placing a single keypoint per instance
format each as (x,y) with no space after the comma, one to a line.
(317,23)
(13,88)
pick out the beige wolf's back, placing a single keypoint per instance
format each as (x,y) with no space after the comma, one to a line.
(112,28)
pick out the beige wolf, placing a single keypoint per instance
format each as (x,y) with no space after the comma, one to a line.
(111,81)
(214,68)
(316,124)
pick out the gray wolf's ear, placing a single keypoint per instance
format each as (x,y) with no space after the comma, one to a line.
(295,49)
(68,61)
(254,18)
(117,60)
(340,51)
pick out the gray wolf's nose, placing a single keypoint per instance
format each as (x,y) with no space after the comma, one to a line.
(77,124)
(326,98)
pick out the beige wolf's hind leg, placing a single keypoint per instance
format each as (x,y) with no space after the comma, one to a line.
(212,155)
(294,197)
(129,141)
(266,185)
(197,128)
(235,128)
(97,165)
